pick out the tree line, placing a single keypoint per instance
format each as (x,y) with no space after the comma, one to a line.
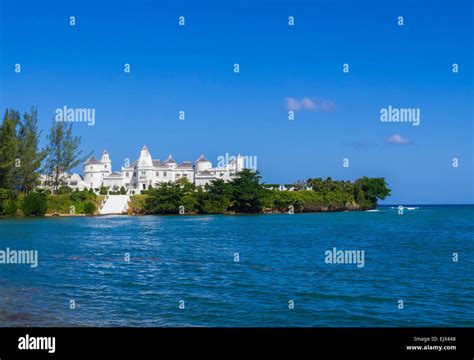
(245,193)
(21,158)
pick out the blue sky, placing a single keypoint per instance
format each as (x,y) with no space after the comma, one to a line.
(191,68)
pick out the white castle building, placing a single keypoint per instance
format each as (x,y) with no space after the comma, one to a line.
(146,172)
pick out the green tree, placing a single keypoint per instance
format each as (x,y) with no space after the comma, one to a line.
(89,208)
(166,199)
(8,149)
(246,192)
(188,195)
(182,181)
(30,157)
(64,189)
(62,153)
(215,199)
(368,190)
(34,204)
(8,202)
(317,184)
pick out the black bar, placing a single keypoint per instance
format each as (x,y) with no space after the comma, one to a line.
(158,343)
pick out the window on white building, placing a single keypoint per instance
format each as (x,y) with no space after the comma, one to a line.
(157,173)
(164,173)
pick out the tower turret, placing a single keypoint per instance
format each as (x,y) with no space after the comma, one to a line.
(107,163)
(202,164)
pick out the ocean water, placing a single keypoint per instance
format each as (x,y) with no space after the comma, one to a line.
(191,260)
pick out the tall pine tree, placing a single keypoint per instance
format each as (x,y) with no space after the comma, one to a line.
(30,157)
(8,149)
(62,153)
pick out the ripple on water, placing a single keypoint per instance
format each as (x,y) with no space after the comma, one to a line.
(192,258)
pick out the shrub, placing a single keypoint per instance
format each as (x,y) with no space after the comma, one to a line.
(59,204)
(215,198)
(282,200)
(79,196)
(137,204)
(8,202)
(10,207)
(89,208)
(214,206)
(64,190)
(165,200)
(34,204)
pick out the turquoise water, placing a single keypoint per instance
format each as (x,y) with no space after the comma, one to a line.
(408,257)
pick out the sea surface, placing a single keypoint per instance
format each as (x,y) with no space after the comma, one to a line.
(183,270)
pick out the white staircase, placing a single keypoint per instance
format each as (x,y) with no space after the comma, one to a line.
(115,204)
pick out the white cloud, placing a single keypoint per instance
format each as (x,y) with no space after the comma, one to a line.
(308,104)
(398,140)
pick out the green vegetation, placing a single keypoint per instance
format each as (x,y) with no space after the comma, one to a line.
(214,199)
(368,190)
(34,204)
(165,200)
(20,158)
(73,202)
(29,157)
(62,153)
(8,202)
(136,205)
(20,163)
(8,149)
(41,203)
(114,191)
(89,208)
(245,194)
